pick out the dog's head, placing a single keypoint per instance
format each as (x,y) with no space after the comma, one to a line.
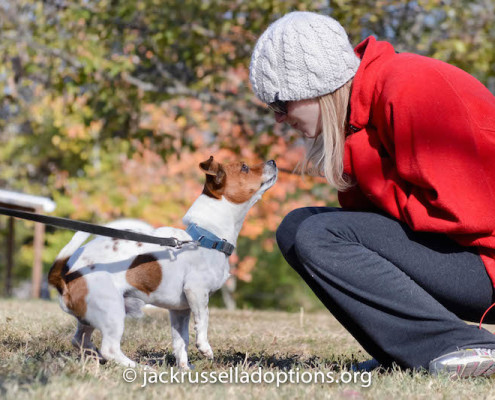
(238,182)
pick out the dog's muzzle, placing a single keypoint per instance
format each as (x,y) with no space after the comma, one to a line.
(270,173)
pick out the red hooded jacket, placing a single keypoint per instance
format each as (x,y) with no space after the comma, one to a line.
(424,146)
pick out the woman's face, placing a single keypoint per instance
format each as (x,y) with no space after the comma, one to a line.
(304,116)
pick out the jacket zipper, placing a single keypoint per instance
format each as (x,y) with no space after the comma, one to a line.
(354,128)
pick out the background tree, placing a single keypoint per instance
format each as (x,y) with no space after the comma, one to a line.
(109,106)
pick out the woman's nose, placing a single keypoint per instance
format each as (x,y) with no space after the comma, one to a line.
(280,117)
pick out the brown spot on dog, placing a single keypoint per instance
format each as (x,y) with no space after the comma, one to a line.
(237,182)
(57,273)
(75,296)
(145,273)
(71,286)
(139,244)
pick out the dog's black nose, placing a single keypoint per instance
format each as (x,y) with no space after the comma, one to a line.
(272,163)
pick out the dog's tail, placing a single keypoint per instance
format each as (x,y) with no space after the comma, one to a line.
(59,268)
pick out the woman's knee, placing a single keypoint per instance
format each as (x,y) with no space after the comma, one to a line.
(286,232)
(329,230)
(308,235)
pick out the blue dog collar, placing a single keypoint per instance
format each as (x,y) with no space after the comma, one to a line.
(209,240)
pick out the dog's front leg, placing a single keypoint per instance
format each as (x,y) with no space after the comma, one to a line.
(179,321)
(198,302)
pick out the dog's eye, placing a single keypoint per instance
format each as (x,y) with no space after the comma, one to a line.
(244,168)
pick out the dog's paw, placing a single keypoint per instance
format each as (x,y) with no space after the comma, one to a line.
(94,354)
(206,351)
(185,366)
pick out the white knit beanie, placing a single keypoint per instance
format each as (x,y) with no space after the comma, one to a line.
(301,56)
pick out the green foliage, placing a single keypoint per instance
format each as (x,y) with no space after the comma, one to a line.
(275,284)
(108,106)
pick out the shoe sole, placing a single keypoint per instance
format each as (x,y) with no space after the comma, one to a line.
(463,364)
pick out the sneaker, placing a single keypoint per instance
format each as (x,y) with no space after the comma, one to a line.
(465,363)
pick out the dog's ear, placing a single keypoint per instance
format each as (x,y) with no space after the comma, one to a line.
(215,178)
(220,175)
(209,167)
(213,168)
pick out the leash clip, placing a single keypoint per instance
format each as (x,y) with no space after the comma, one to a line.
(180,243)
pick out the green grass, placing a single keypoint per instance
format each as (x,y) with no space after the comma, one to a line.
(38,361)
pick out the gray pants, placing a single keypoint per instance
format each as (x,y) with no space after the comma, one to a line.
(402,294)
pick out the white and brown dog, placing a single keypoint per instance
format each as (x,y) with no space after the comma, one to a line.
(106,279)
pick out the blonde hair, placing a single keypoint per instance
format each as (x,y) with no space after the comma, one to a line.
(325,154)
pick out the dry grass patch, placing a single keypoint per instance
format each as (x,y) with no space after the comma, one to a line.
(38,361)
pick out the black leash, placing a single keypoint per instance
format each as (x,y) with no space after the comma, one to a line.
(94,229)
(112,232)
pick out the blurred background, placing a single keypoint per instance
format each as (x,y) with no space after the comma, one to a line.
(107,107)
